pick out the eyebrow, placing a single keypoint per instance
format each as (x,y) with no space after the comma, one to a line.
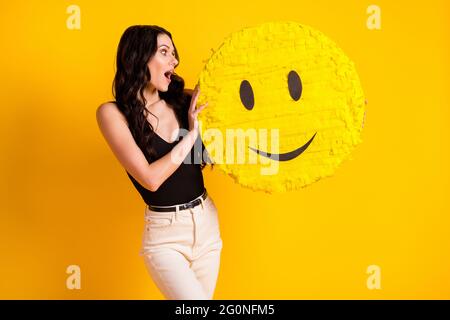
(164,45)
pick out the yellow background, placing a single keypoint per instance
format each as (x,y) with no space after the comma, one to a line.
(66,200)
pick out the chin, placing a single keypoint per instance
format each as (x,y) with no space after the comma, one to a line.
(163,89)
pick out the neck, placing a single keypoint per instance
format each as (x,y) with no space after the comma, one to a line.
(151,95)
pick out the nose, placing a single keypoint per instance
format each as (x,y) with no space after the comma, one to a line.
(174,62)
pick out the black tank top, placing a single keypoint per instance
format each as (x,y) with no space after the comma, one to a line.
(184,185)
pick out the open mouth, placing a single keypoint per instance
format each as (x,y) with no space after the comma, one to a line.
(285,156)
(168,75)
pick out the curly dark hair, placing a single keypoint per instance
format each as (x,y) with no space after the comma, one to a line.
(137,46)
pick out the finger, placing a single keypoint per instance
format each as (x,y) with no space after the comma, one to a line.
(194,99)
(196,90)
(200,108)
(203,105)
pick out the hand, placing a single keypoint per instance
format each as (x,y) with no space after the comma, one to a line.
(193,112)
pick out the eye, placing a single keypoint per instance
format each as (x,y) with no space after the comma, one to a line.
(164,51)
(246,94)
(295,85)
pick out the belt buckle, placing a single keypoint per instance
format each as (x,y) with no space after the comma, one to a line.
(192,204)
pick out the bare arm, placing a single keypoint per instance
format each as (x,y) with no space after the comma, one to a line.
(113,126)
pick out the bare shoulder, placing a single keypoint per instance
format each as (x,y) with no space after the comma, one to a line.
(109,111)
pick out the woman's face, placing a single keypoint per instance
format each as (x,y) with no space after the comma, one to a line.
(163,60)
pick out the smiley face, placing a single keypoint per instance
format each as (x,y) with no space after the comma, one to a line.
(295,93)
(295,90)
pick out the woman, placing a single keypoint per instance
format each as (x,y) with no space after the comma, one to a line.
(181,241)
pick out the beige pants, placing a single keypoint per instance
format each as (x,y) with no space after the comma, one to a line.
(182,251)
